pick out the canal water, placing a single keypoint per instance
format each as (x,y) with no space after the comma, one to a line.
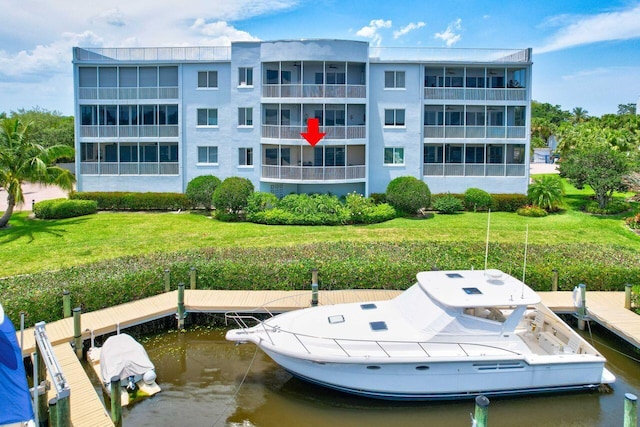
(200,374)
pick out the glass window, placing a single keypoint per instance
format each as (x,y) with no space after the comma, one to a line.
(108,115)
(433,153)
(207,79)
(207,117)
(474,154)
(168,76)
(394,117)
(245,156)
(394,79)
(394,156)
(88,115)
(208,155)
(149,152)
(128,77)
(495,154)
(245,116)
(128,152)
(169,152)
(453,153)
(245,76)
(334,156)
(107,77)
(128,115)
(88,77)
(148,114)
(272,77)
(89,152)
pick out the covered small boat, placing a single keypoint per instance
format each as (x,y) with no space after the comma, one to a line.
(123,357)
(453,334)
(15,400)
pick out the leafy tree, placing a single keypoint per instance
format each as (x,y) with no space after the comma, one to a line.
(626,109)
(579,115)
(553,114)
(408,194)
(231,197)
(546,192)
(21,159)
(200,190)
(600,166)
(47,128)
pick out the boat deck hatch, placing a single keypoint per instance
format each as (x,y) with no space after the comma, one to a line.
(454,275)
(472,291)
(336,319)
(378,326)
(368,306)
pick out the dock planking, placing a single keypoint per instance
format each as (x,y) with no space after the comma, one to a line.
(606,308)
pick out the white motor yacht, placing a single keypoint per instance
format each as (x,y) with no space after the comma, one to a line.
(453,334)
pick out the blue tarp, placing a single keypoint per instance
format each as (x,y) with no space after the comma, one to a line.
(15,400)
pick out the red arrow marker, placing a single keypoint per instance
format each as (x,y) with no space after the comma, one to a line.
(313,134)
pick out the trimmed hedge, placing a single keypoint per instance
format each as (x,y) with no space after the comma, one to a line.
(408,195)
(130,201)
(342,265)
(447,204)
(476,199)
(200,191)
(64,208)
(508,202)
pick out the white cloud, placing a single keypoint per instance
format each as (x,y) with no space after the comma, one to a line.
(220,32)
(450,36)
(621,25)
(408,28)
(372,31)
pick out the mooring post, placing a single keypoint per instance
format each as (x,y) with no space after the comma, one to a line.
(630,410)
(180,306)
(66,303)
(627,296)
(167,280)
(41,405)
(582,310)
(77,332)
(554,280)
(63,413)
(192,278)
(53,412)
(314,287)
(482,410)
(116,405)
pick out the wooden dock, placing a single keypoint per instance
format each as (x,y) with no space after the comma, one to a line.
(606,308)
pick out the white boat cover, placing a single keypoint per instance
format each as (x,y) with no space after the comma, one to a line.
(123,356)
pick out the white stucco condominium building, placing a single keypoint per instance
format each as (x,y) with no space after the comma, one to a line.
(152,119)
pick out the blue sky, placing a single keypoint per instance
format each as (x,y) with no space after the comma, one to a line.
(586,53)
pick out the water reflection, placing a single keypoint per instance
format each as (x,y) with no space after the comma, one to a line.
(199,373)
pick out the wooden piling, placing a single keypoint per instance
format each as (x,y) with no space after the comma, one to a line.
(554,280)
(63,413)
(582,310)
(66,303)
(192,278)
(482,411)
(314,287)
(181,311)
(627,296)
(77,332)
(167,280)
(630,410)
(53,412)
(116,404)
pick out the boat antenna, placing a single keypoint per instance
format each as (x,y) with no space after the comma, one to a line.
(486,249)
(524,268)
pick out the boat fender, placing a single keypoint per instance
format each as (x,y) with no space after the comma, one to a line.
(577,297)
(149,377)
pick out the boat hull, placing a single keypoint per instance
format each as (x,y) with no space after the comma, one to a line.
(443,380)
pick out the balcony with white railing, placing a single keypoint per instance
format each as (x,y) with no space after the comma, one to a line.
(474,169)
(163,54)
(129,168)
(475,132)
(313,91)
(332,132)
(127,93)
(141,131)
(475,94)
(313,173)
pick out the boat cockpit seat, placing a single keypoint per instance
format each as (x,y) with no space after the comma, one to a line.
(537,325)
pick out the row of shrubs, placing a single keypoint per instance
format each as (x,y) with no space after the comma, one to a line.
(342,265)
(132,201)
(64,208)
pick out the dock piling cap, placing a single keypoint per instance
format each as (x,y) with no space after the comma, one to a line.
(630,396)
(482,401)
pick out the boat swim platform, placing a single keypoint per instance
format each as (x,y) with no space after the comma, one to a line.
(605,308)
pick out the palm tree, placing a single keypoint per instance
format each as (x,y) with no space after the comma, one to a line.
(22,160)
(546,192)
(579,115)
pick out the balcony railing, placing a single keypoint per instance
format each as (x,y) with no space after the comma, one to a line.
(474,169)
(332,132)
(313,91)
(510,132)
(142,131)
(475,94)
(121,168)
(97,54)
(112,93)
(313,173)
